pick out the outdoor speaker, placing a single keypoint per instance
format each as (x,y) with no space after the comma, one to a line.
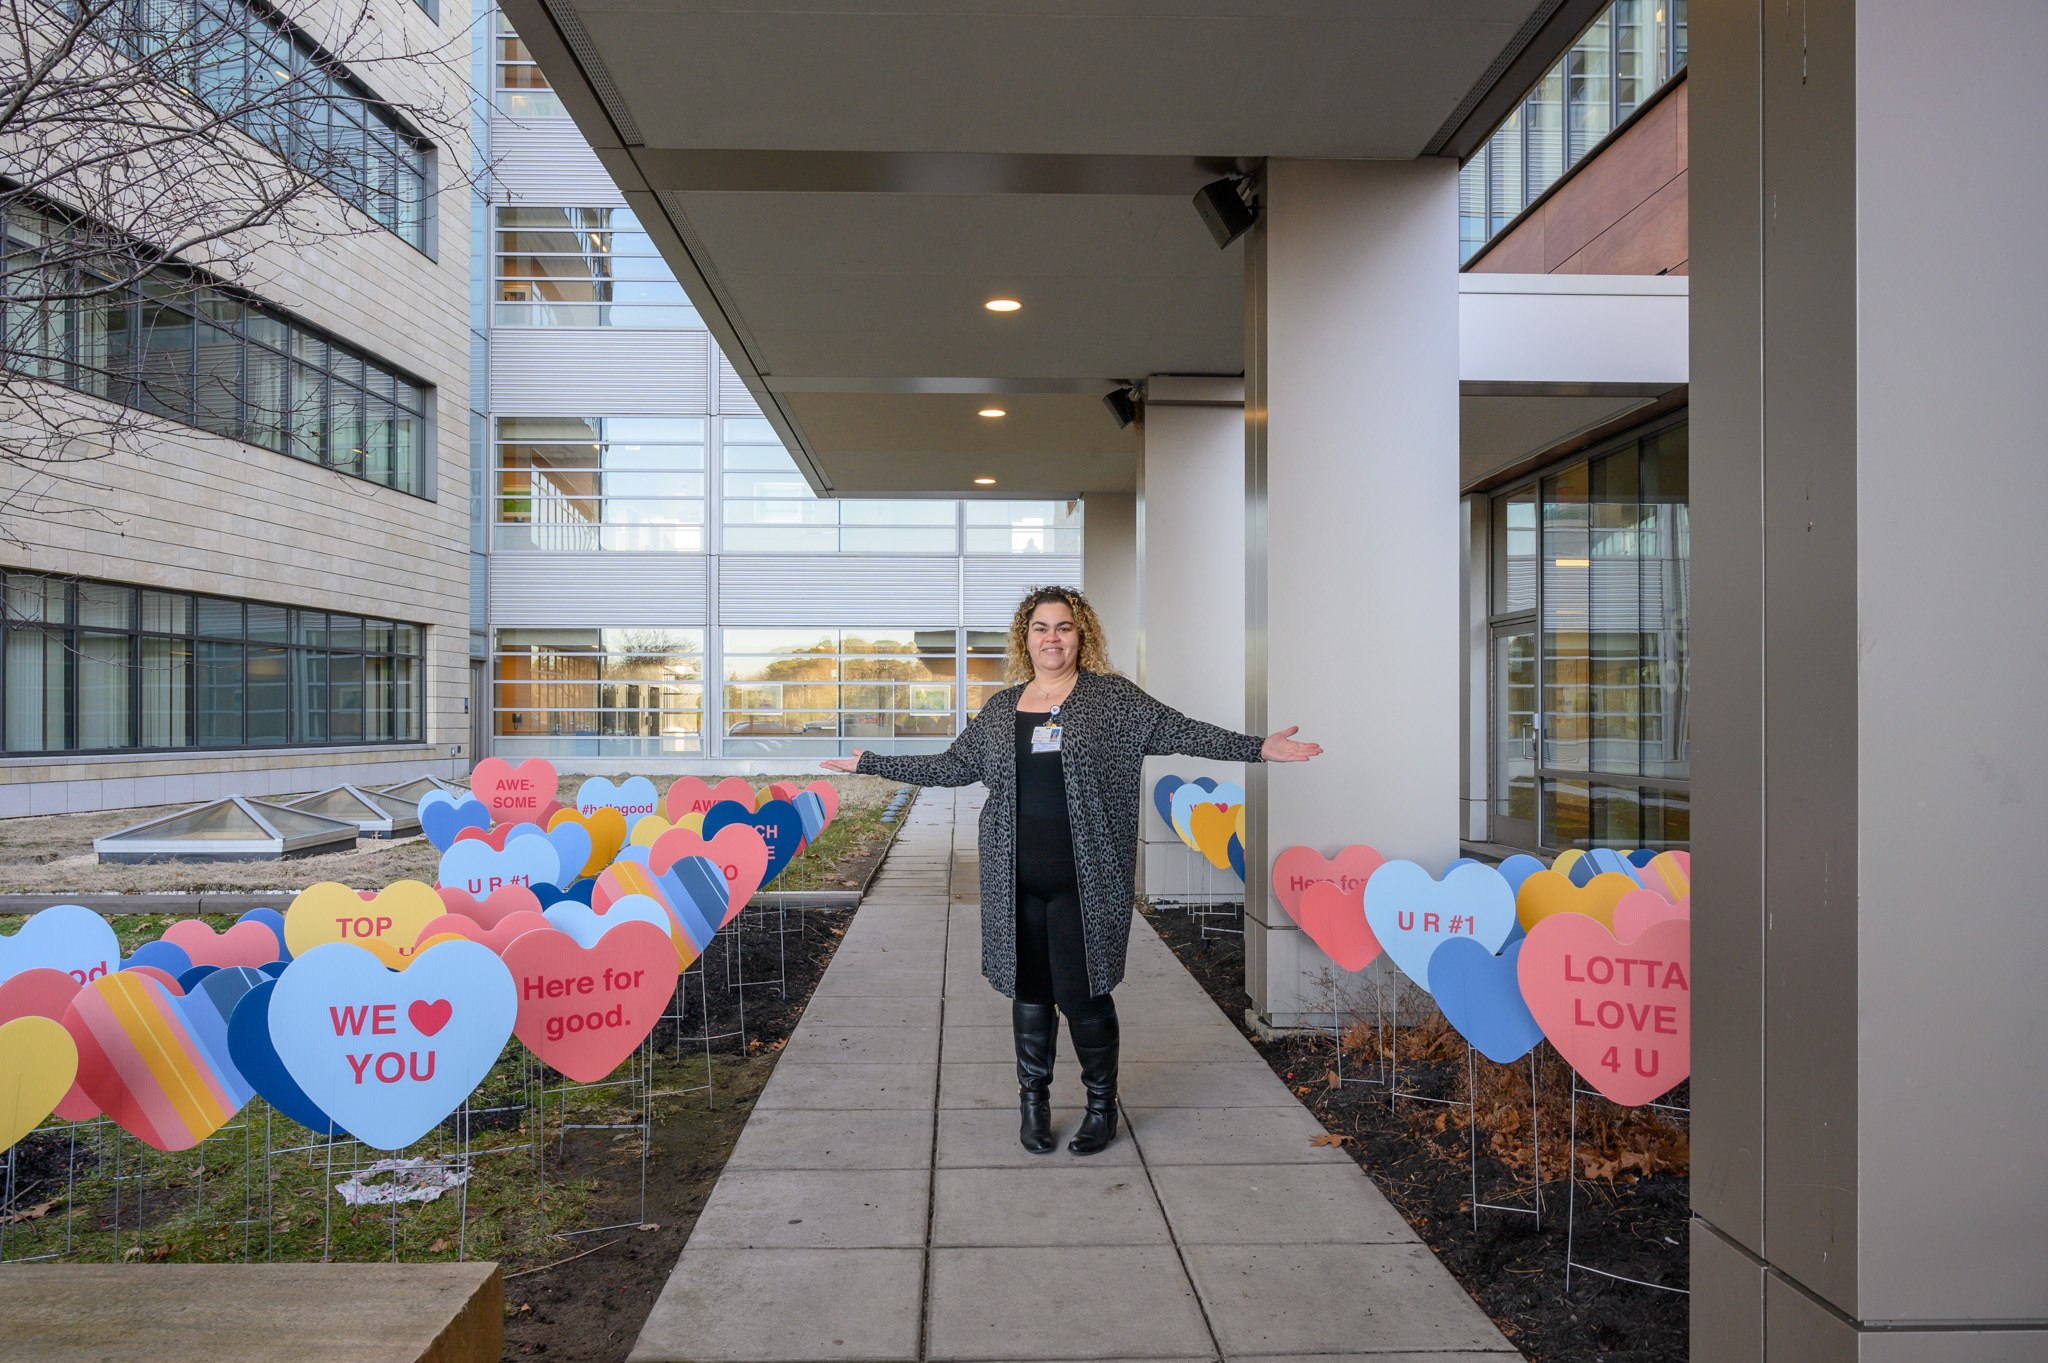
(1122,406)
(1224,211)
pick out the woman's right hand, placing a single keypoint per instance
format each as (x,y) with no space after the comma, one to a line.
(843,763)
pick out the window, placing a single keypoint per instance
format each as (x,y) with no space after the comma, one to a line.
(611,692)
(827,691)
(572,484)
(769,508)
(1591,589)
(1628,54)
(183,350)
(583,267)
(522,89)
(97,666)
(1023,527)
(987,650)
(285,92)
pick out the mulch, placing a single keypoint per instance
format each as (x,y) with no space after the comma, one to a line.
(1629,1215)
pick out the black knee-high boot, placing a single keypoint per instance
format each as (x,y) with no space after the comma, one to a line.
(1094,1031)
(1037,1030)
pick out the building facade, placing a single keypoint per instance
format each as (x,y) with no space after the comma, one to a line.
(261,593)
(665,592)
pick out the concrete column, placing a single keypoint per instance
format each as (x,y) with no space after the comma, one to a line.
(1868,1075)
(1109,571)
(1190,598)
(1352,538)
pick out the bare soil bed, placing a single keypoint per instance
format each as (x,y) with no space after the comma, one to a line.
(1632,1195)
(52,854)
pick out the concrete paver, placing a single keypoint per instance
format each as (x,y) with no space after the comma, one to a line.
(879,1207)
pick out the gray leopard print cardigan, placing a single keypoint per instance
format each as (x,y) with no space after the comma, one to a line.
(1108,728)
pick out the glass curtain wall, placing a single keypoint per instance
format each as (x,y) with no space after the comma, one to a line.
(1590,692)
(804,690)
(584,692)
(1628,54)
(180,349)
(583,267)
(576,484)
(97,666)
(521,88)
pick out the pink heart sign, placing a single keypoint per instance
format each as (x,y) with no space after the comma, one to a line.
(1619,1015)
(497,936)
(250,944)
(491,910)
(515,794)
(582,1010)
(736,849)
(1297,868)
(1633,913)
(1334,920)
(691,796)
(43,992)
(828,795)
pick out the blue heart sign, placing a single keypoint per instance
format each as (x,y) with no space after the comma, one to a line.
(778,823)
(1481,996)
(249,1045)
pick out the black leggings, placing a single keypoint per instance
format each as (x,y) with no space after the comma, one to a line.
(1052,951)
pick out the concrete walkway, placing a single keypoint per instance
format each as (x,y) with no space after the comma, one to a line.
(878,1205)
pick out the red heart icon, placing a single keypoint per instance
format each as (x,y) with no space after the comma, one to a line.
(1335,921)
(1297,868)
(430,1017)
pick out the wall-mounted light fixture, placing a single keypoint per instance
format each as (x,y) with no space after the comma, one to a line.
(1224,210)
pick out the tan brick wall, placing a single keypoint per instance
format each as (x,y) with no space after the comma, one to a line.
(195,512)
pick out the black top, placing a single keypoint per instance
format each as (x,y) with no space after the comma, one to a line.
(1041,780)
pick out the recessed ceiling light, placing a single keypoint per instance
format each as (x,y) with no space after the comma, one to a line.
(1002,305)
(985,482)
(993,411)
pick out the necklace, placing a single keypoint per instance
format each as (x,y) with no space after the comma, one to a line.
(1047,691)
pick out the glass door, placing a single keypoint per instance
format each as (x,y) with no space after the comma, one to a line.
(1515,736)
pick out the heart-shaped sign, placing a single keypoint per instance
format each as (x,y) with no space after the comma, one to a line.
(691,796)
(777,822)
(497,937)
(446,820)
(45,993)
(583,1008)
(193,976)
(1189,796)
(38,1064)
(606,828)
(1237,854)
(1604,861)
(1546,893)
(1519,868)
(223,989)
(388,924)
(249,944)
(157,1064)
(350,1036)
(249,1045)
(1162,797)
(627,880)
(1634,913)
(782,790)
(577,890)
(737,850)
(515,792)
(1670,875)
(571,842)
(1334,920)
(272,919)
(1411,913)
(634,798)
(1619,1015)
(492,909)
(694,890)
(166,958)
(1212,828)
(1297,868)
(1566,860)
(63,937)
(586,925)
(496,838)
(480,871)
(811,811)
(1481,996)
(828,796)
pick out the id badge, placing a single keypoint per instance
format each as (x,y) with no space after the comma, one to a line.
(1045,738)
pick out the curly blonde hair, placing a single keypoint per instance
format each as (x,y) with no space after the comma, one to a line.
(1094,646)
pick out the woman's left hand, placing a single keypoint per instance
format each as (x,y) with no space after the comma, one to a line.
(1281,747)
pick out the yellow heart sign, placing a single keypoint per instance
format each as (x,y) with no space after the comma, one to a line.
(388,925)
(1241,839)
(1546,892)
(1212,826)
(38,1062)
(607,829)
